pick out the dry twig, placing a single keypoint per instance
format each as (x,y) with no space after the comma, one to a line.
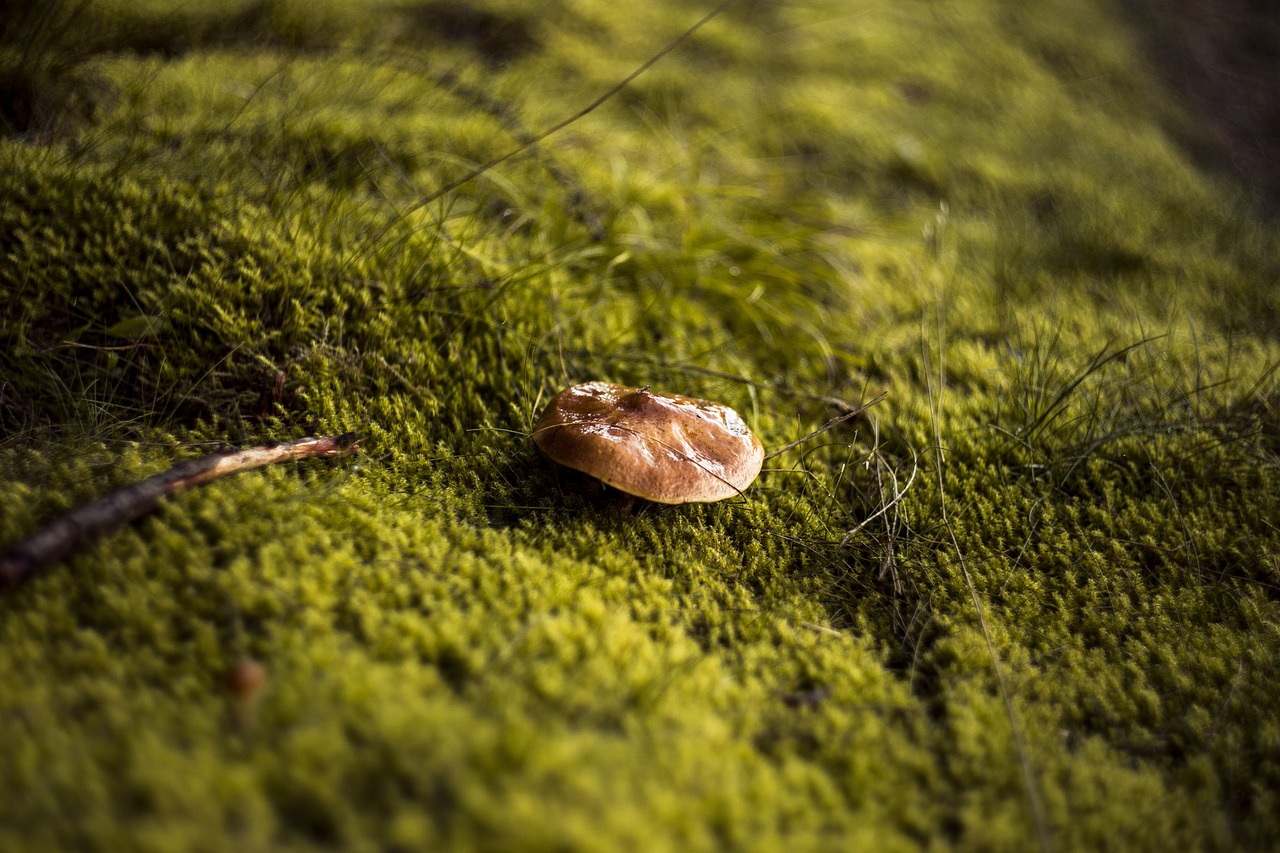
(68,534)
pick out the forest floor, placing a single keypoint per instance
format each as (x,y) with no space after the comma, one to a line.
(1028,599)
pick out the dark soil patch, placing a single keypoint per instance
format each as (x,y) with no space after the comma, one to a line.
(1223,58)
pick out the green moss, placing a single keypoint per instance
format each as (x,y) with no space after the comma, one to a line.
(983,212)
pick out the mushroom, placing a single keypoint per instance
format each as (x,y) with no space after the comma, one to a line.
(661,447)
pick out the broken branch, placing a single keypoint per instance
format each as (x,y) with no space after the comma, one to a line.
(68,534)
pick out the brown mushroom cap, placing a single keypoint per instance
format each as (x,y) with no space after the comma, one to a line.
(661,447)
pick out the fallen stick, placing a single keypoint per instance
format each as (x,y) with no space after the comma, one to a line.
(68,534)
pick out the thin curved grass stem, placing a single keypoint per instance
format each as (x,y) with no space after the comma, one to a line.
(533,139)
(898,495)
(853,412)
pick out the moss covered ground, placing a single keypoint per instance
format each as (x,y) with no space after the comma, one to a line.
(1029,600)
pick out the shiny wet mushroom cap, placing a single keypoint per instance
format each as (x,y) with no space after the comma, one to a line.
(661,447)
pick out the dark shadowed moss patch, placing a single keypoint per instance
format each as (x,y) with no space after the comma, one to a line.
(497,37)
(46,89)
(1221,59)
